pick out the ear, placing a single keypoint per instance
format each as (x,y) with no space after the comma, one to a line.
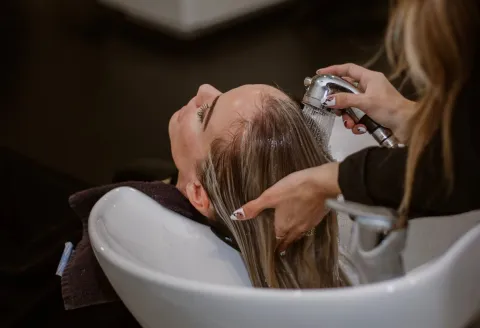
(198,198)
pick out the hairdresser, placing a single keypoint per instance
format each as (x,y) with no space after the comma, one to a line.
(436,43)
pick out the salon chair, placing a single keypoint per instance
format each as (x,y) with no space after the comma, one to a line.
(172,272)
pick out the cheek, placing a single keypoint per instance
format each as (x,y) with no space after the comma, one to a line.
(173,132)
(185,140)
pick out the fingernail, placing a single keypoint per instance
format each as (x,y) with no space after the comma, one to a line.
(361,129)
(329,101)
(238,214)
(345,123)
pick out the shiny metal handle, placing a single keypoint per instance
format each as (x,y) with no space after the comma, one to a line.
(376,246)
(321,86)
(382,135)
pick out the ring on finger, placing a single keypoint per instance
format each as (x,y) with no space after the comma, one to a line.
(310,232)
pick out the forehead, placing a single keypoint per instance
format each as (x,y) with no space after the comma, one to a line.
(239,103)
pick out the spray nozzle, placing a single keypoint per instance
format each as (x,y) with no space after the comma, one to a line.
(320,87)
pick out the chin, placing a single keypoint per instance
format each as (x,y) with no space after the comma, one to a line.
(170,133)
(170,122)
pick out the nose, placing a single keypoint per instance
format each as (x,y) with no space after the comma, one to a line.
(205,94)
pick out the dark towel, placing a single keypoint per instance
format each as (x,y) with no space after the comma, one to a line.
(83,281)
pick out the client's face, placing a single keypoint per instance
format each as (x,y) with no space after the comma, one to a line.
(208,115)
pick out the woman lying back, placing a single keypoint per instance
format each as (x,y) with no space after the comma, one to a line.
(229,148)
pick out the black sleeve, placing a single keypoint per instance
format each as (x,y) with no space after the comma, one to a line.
(375,176)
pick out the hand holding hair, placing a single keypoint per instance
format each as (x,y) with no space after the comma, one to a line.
(298,200)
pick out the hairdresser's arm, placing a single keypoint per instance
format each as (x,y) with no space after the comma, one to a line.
(375,176)
(372,176)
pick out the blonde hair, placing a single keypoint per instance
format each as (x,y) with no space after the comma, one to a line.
(433,42)
(263,150)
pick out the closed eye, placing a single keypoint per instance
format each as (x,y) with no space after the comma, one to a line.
(201,112)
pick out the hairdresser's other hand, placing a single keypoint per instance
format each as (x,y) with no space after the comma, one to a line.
(298,200)
(380,100)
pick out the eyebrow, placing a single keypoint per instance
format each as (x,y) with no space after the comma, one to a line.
(210,111)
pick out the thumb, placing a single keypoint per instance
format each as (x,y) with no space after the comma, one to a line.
(344,100)
(253,208)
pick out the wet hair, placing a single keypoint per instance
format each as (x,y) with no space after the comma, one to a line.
(239,167)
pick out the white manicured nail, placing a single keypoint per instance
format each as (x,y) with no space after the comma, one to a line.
(361,129)
(238,215)
(330,101)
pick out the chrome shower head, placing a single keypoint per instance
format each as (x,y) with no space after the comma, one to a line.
(320,87)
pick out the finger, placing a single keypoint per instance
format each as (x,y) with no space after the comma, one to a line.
(280,234)
(356,84)
(348,121)
(344,100)
(359,129)
(353,71)
(253,208)
(348,79)
(293,235)
(338,112)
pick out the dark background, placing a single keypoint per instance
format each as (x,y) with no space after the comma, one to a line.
(85,92)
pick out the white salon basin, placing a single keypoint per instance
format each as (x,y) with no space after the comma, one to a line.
(173,272)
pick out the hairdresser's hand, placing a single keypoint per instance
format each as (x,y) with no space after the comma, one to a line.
(299,202)
(380,100)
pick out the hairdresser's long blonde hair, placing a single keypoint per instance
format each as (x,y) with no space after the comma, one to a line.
(263,150)
(434,42)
